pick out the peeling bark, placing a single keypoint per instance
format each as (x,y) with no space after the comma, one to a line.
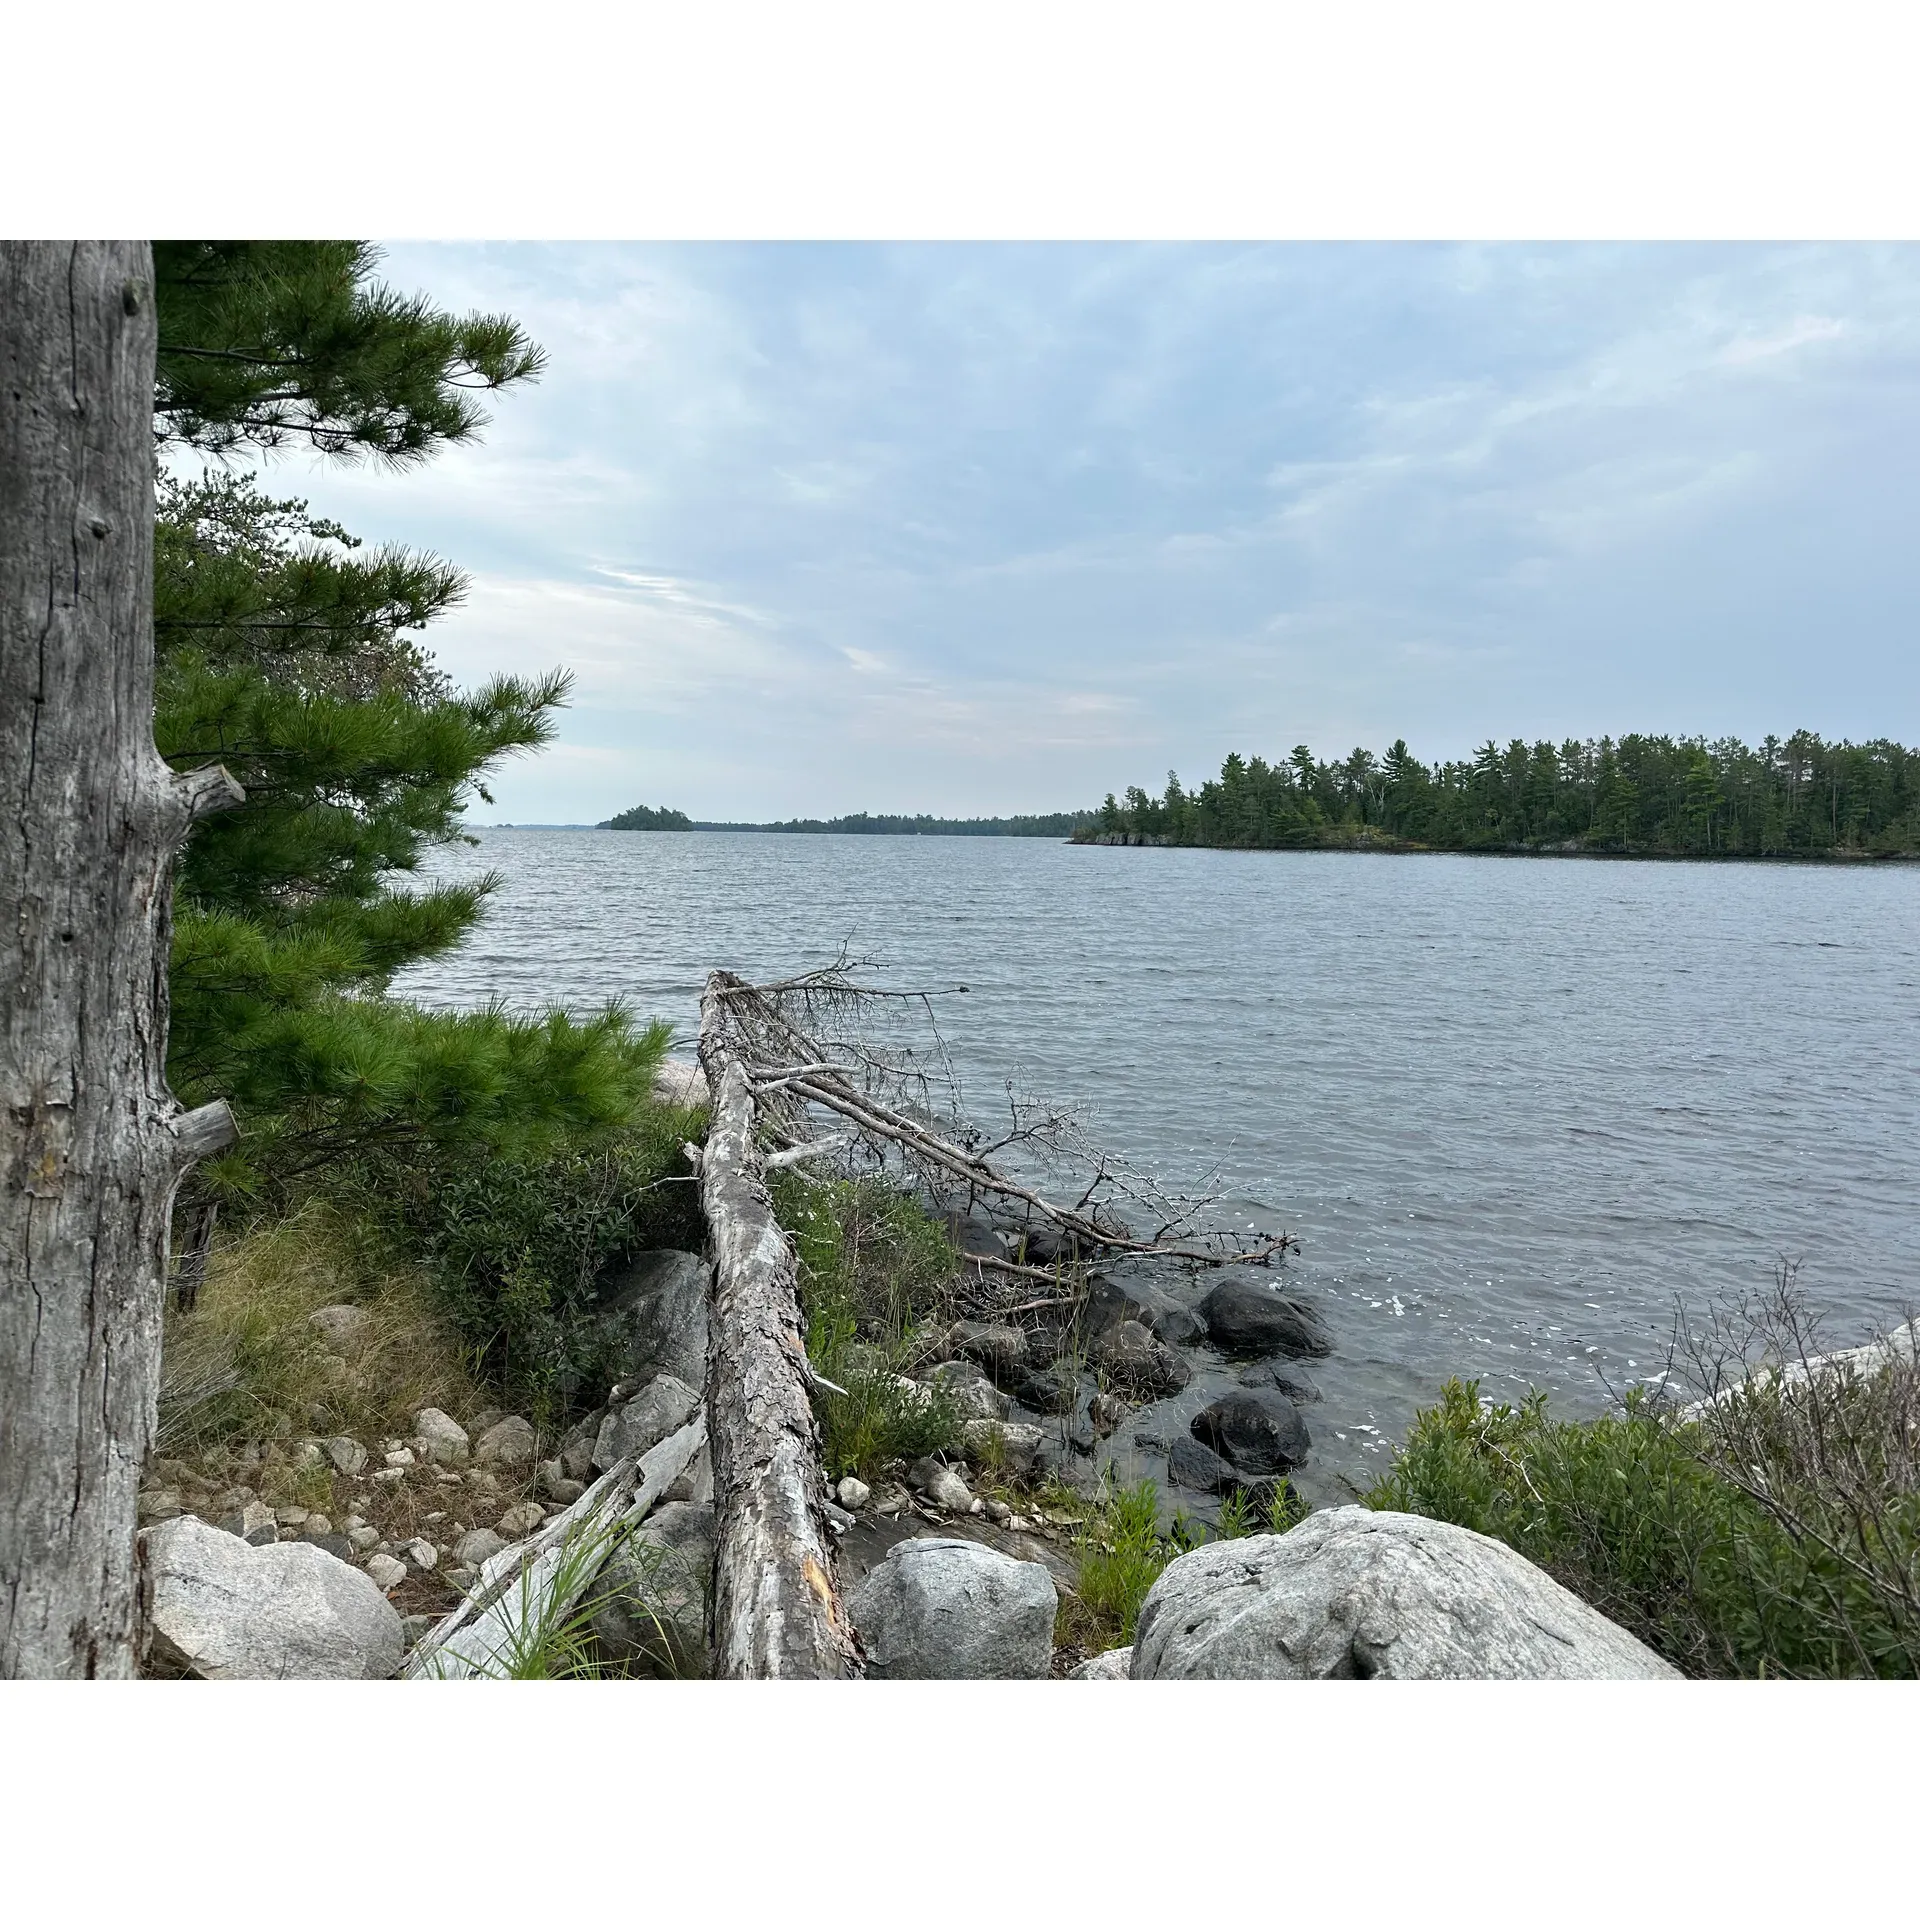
(92,1144)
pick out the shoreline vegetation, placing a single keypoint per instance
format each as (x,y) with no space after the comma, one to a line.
(1803,798)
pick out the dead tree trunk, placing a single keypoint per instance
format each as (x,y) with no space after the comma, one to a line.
(91,1142)
(776,1612)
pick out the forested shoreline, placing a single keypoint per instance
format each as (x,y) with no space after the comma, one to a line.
(1802,797)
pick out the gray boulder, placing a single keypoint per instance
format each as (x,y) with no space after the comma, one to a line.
(1246,1317)
(507,1443)
(656,1306)
(1258,1432)
(1350,1594)
(440,1437)
(972,1391)
(649,1603)
(661,1408)
(1115,1665)
(223,1610)
(944,1609)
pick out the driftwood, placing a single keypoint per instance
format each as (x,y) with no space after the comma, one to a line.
(521,1586)
(776,1611)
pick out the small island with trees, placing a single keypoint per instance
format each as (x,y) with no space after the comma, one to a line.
(1798,798)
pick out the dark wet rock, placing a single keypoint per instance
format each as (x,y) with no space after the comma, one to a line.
(1000,1351)
(1245,1317)
(1277,1376)
(1191,1463)
(1260,1432)
(1044,1392)
(971,1233)
(1130,1354)
(1125,1294)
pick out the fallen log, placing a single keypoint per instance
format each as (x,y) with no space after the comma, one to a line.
(531,1588)
(776,1611)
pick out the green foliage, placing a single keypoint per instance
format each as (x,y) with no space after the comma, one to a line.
(1122,1553)
(518,1246)
(1018,826)
(873,1271)
(1634,1515)
(1640,794)
(649,820)
(269,342)
(284,653)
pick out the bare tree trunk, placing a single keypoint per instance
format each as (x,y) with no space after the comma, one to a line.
(91,1141)
(776,1612)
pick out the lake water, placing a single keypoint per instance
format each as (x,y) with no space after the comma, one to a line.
(1514,1110)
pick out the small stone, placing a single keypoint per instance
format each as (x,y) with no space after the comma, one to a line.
(307,1456)
(443,1479)
(424,1554)
(565,1492)
(481,1481)
(477,1547)
(315,1524)
(1019,1523)
(853,1494)
(507,1443)
(890,1504)
(1106,1411)
(161,1503)
(519,1521)
(290,1516)
(386,1572)
(347,1454)
(941,1485)
(364,1539)
(400,1457)
(254,1523)
(461,1578)
(342,1327)
(1000,1511)
(441,1437)
(389,1476)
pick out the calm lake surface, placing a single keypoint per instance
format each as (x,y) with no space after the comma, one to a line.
(1514,1110)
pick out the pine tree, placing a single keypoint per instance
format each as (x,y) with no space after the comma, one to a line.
(285,654)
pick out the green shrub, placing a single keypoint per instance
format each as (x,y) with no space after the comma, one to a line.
(1635,1513)
(517,1248)
(875,1273)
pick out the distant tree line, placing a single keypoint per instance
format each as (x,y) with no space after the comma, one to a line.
(1020,826)
(1640,794)
(650,820)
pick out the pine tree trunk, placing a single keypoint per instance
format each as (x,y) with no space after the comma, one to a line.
(92,1145)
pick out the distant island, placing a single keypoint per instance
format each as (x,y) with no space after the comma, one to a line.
(649,820)
(1803,797)
(1020,826)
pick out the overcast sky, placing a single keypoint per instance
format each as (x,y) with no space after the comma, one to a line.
(974,529)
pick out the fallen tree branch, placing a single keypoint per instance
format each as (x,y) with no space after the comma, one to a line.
(776,1611)
(532,1586)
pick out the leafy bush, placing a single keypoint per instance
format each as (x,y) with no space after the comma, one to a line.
(1638,1515)
(518,1247)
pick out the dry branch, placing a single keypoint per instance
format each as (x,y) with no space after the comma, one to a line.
(517,1586)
